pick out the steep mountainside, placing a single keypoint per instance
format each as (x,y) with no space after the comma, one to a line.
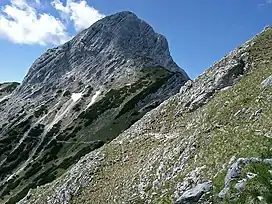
(80,95)
(210,143)
(6,90)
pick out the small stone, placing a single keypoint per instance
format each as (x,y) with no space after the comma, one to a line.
(194,194)
(268,134)
(240,186)
(251,175)
(226,88)
(156,183)
(260,198)
(267,82)
(178,114)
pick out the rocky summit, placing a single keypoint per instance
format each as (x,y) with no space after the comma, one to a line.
(109,117)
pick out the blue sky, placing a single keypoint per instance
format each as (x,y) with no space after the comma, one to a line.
(199,32)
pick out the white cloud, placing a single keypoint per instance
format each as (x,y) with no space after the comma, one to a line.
(80,13)
(264,3)
(38,2)
(22,21)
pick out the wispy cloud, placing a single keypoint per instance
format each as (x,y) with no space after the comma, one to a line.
(21,21)
(264,3)
(80,13)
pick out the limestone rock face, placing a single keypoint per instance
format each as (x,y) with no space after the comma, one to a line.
(80,95)
(112,47)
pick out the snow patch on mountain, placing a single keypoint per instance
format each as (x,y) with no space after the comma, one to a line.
(76,96)
(97,93)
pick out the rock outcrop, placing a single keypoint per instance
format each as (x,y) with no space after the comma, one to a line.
(235,172)
(194,194)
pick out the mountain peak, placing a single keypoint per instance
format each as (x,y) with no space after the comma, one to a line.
(125,14)
(110,47)
(125,33)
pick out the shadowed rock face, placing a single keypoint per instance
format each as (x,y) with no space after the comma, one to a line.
(80,95)
(6,90)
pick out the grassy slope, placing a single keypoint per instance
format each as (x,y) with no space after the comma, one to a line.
(216,136)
